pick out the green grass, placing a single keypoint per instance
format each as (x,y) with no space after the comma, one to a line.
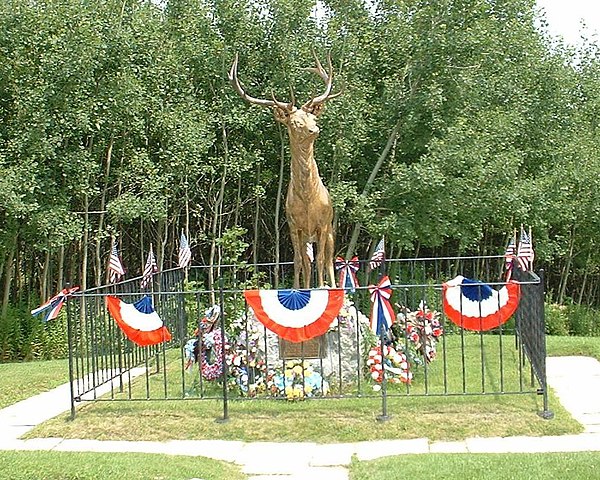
(329,420)
(19,381)
(113,466)
(322,421)
(547,466)
(564,346)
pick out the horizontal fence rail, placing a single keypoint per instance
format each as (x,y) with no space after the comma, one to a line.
(219,350)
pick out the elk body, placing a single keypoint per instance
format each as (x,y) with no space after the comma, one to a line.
(308,205)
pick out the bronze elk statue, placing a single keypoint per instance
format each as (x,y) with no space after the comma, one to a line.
(308,205)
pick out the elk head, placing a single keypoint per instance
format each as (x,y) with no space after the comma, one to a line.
(301,122)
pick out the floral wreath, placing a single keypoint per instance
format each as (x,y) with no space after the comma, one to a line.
(212,342)
(422,328)
(397,368)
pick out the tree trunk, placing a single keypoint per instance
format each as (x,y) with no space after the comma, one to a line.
(278,204)
(100,236)
(256,219)
(84,243)
(388,146)
(566,268)
(9,273)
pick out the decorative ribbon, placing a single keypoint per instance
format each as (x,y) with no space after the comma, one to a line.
(348,269)
(382,313)
(53,305)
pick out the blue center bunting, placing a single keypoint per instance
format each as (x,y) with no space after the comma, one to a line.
(293,299)
(476,291)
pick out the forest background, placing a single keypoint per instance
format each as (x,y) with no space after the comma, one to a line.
(460,121)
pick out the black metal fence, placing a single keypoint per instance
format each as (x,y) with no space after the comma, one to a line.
(237,358)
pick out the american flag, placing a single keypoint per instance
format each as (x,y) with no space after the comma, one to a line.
(378,255)
(509,254)
(115,267)
(149,269)
(525,253)
(185,253)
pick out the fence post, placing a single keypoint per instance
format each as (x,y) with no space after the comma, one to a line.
(546,413)
(384,417)
(223,356)
(70,346)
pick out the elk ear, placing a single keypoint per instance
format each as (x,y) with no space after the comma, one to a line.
(281,115)
(315,109)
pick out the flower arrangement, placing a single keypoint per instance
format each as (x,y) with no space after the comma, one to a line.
(247,367)
(207,346)
(395,364)
(297,381)
(422,328)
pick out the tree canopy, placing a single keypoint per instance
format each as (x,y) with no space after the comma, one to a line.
(460,120)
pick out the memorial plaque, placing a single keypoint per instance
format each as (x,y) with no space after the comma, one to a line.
(313,348)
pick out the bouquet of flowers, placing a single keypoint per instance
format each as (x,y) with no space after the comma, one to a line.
(422,328)
(247,367)
(297,381)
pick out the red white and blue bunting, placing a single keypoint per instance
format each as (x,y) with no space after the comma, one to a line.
(296,315)
(382,313)
(474,305)
(138,321)
(347,269)
(53,305)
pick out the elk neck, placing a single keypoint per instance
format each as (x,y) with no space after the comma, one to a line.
(304,171)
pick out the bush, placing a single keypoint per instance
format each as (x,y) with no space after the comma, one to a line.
(24,337)
(584,321)
(557,319)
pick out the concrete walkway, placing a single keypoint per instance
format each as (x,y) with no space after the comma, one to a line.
(576,381)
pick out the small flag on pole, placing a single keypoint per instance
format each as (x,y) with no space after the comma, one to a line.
(509,257)
(525,254)
(54,304)
(378,255)
(115,266)
(149,269)
(185,253)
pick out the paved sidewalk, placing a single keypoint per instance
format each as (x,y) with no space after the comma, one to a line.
(576,381)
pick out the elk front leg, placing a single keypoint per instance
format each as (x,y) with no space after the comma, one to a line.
(321,257)
(328,257)
(295,236)
(306,267)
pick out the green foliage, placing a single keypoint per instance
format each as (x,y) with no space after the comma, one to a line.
(557,319)
(572,319)
(24,337)
(117,120)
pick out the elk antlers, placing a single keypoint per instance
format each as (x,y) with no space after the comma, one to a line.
(313,104)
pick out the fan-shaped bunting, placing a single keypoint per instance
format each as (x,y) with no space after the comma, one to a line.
(476,306)
(296,315)
(138,321)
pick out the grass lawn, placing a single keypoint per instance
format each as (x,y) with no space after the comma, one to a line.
(334,420)
(547,466)
(113,466)
(564,346)
(19,381)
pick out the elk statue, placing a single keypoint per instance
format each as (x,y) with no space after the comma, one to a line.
(307,206)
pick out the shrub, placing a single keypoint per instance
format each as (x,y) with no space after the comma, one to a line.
(584,321)
(557,319)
